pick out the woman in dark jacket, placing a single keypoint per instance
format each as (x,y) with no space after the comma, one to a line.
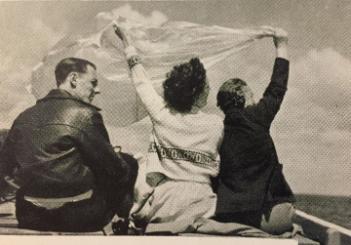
(252,189)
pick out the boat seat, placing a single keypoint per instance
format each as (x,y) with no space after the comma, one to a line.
(299,238)
(302,240)
(8,226)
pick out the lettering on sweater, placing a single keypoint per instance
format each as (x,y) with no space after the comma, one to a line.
(186,155)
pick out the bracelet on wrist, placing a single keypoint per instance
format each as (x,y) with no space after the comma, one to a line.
(134,60)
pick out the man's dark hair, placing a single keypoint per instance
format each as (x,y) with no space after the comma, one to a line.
(68,65)
(184,84)
(231,93)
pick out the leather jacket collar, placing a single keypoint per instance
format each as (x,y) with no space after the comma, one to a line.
(63,94)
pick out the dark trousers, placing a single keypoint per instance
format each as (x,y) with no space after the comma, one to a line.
(86,215)
(274,219)
(252,218)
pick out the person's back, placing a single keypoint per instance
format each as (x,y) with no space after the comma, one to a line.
(184,138)
(58,151)
(183,152)
(251,182)
(49,161)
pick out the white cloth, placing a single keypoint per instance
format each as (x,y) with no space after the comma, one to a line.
(161,46)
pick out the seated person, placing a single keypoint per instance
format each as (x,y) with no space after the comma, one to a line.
(59,154)
(183,153)
(251,188)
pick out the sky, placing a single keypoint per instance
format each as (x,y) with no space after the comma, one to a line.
(312,131)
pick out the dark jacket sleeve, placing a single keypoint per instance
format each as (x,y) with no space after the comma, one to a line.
(100,156)
(266,109)
(7,158)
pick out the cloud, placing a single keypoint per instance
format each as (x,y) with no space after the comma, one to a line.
(320,91)
(13,93)
(312,130)
(326,77)
(155,19)
(45,36)
(19,56)
(13,102)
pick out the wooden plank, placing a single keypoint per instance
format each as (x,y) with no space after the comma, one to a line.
(299,238)
(305,241)
(169,240)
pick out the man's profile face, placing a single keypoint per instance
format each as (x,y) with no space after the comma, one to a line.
(249,96)
(87,85)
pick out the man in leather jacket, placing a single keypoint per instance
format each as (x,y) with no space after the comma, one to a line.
(59,153)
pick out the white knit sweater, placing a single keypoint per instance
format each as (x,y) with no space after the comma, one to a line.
(183,146)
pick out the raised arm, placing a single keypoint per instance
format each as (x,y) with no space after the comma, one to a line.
(273,96)
(150,98)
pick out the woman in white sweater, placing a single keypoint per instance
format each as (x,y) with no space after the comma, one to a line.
(183,151)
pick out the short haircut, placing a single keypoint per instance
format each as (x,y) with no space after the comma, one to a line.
(184,84)
(231,93)
(68,65)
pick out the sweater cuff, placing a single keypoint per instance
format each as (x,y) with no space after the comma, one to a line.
(130,51)
(281,60)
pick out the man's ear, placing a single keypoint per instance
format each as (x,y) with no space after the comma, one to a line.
(73,79)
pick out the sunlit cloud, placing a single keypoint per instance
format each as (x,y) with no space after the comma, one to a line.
(17,65)
(155,19)
(312,131)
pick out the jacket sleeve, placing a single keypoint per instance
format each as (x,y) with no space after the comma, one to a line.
(269,105)
(94,143)
(7,157)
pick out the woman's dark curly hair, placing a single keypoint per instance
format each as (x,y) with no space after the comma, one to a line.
(184,84)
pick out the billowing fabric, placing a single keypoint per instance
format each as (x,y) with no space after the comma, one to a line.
(160,47)
(251,175)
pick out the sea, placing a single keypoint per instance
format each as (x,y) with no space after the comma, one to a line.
(335,209)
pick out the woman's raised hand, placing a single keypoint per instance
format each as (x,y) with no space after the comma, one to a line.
(280,37)
(266,31)
(121,35)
